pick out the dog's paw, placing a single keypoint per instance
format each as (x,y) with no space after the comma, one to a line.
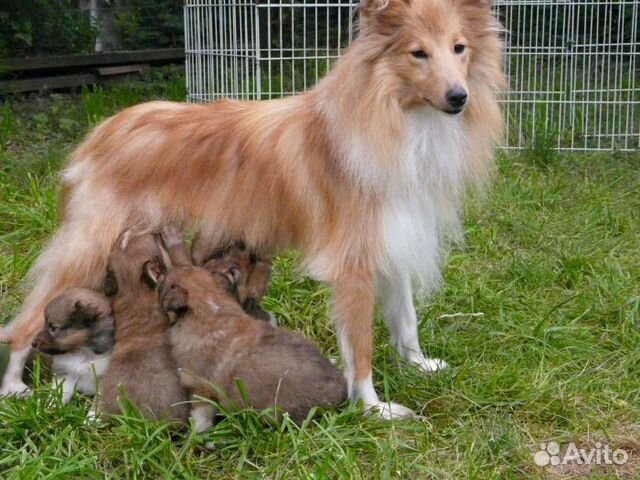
(427,365)
(389,410)
(273,320)
(15,388)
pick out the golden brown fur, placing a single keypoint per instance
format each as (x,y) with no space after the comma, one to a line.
(141,363)
(363,174)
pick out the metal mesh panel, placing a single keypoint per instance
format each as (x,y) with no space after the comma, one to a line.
(572,65)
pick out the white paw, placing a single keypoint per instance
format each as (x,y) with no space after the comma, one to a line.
(15,388)
(93,419)
(273,320)
(390,410)
(427,365)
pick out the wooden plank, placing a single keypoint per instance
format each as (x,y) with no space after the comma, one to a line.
(92,59)
(122,70)
(47,83)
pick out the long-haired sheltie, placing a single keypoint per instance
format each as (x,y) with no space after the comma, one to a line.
(363,174)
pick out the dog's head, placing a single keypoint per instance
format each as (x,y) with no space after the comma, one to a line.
(136,265)
(243,274)
(76,319)
(427,51)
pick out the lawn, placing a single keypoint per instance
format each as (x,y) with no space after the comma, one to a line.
(539,319)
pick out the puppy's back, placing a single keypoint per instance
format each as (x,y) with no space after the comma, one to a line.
(287,371)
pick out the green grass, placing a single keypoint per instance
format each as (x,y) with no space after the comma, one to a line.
(551,270)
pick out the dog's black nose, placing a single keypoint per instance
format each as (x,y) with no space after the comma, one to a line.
(457,97)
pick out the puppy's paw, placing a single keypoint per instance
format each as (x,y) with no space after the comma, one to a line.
(273,320)
(14,388)
(389,410)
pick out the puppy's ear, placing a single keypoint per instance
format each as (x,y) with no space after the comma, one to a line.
(230,277)
(175,300)
(153,271)
(110,287)
(102,336)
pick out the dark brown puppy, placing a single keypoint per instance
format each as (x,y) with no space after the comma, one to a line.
(79,335)
(255,274)
(215,343)
(141,362)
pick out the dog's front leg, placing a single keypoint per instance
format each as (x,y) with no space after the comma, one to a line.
(12,383)
(354,299)
(402,322)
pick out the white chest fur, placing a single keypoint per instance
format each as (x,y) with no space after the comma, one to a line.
(82,368)
(422,196)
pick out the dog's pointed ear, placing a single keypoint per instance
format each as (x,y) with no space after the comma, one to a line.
(369,8)
(153,271)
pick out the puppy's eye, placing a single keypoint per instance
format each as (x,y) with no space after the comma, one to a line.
(459,48)
(421,54)
(53,329)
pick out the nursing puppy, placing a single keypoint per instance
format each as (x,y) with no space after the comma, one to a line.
(79,335)
(141,363)
(364,174)
(256,272)
(217,344)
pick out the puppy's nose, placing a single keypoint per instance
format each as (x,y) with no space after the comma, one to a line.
(34,344)
(457,97)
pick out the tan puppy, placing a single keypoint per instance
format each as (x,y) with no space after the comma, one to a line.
(79,335)
(141,361)
(215,343)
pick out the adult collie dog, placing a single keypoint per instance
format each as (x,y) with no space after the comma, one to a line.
(363,174)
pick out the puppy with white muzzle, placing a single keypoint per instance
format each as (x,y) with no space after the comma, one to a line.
(79,335)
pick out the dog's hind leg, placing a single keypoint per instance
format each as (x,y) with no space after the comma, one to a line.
(354,300)
(400,317)
(75,257)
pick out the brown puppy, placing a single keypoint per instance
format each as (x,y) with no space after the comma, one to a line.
(256,272)
(79,335)
(215,343)
(141,361)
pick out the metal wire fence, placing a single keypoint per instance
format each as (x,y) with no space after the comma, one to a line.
(572,65)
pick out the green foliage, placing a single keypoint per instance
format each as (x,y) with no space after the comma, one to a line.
(44,27)
(145,24)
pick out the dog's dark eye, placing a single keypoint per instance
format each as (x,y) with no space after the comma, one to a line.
(53,329)
(459,48)
(421,54)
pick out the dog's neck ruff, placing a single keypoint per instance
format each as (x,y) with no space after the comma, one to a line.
(420,191)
